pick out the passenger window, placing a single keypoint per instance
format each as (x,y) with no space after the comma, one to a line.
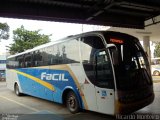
(64,53)
(44,57)
(20,60)
(28,60)
(37,58)
(12,63)
(70,52)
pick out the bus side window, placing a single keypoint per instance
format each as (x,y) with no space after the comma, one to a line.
(89,45)
(37,58)
(43,59)
(12,63)
(70,52)
(28,60)
(96,62)
(20,61)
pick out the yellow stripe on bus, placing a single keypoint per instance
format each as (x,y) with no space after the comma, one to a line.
(46,84)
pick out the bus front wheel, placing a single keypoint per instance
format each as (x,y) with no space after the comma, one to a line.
(72,102)
(16,89)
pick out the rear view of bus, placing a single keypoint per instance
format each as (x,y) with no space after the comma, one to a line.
(133,81)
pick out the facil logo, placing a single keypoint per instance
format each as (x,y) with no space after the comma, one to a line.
(55,77)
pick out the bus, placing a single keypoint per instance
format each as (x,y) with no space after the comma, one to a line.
(102,71)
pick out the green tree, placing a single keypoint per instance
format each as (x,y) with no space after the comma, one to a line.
(25,39)
(4,31)
(157,50)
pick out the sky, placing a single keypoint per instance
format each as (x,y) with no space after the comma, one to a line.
(57,29)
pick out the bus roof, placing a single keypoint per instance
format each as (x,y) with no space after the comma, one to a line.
(61,40)
(53,42)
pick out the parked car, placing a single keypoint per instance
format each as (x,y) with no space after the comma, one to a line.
(155,70)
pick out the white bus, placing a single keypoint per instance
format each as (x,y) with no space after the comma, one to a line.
(97,71)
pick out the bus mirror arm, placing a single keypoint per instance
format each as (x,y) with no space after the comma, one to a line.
(95,65)
(111,46)
(115,57)
(114,53)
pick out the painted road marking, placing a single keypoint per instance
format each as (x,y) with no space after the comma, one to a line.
(156,79)
(23,105)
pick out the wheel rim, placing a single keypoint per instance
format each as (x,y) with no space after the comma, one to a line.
(17,90)
(72,103)
(156,73)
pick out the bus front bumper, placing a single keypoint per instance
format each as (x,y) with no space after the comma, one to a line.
(127,108)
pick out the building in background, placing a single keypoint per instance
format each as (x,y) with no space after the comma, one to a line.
(2,67)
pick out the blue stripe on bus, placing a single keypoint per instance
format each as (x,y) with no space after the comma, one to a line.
(32,87)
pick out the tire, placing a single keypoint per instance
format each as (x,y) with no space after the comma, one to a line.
(72,102)
(156,73)
(16,90)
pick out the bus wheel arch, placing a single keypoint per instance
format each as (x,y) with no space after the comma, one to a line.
(70,99)
(16,89)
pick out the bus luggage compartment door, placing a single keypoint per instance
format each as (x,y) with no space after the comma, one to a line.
(105,100)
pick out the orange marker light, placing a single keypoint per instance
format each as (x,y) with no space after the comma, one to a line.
(116,41)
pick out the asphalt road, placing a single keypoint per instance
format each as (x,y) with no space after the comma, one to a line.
(28,108)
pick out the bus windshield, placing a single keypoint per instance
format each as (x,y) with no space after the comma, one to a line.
(132,70)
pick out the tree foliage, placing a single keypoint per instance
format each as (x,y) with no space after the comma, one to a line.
(4,31)
(157,50)
(25,39)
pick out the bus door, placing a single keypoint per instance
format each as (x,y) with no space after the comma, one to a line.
(104,84)
(99,73)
